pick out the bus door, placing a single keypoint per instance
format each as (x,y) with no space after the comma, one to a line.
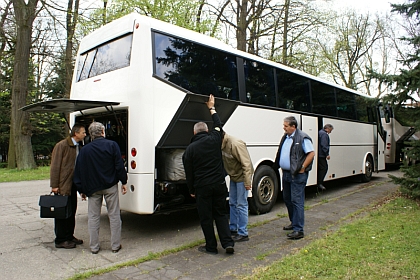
(310,126)
(379,138)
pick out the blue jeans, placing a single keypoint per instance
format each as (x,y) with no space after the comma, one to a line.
(238,208)
(294,197)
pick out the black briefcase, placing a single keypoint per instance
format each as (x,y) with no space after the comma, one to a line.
(55,206)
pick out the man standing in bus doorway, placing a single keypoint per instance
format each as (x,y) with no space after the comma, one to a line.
(294,156)
(63,160)
(205,176)
(99,168)
(323,154)
(238,166)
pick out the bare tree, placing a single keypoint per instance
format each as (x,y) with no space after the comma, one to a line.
(355,35)
(20,148)
(4,15)
(71,21)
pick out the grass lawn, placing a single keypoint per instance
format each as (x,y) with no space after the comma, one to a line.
(385,244)
(14,175)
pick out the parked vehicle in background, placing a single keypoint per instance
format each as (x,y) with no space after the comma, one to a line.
(398,137)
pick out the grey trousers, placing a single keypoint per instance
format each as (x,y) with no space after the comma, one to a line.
(94,217)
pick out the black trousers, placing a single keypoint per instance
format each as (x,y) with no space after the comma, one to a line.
(64,228)
(211,205)
(322,169)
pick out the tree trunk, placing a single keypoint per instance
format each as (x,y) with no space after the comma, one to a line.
(11,158)
(241,25)
(285,31)
(20,125)
(71,21)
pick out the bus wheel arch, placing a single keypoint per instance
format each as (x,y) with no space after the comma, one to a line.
(367,169)
(265,190)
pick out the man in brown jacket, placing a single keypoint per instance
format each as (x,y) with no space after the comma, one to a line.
(238,166)
(63,160)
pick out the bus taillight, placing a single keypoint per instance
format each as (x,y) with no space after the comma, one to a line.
(133,152)
(388,146)
(133,164)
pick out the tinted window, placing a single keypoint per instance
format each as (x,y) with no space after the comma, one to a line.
(259,79)
(293,91)
(105,58)
(362,106)
(346,104)
(194,67)
(323,99)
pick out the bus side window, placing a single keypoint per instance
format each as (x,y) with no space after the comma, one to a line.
(260,83)
(293,91)
(387,114)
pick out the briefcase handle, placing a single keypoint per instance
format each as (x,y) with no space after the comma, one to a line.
(52,193)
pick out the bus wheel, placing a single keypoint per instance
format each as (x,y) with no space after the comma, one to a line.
(264,190)
(368,170)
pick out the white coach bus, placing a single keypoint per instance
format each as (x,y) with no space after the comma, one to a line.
(147,81)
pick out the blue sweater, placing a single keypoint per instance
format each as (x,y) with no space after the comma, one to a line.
(323,144)
(99,166)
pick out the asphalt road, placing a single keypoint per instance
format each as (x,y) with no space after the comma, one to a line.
(27,242)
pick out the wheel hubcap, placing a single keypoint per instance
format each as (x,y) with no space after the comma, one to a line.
(265,190)
(368,169)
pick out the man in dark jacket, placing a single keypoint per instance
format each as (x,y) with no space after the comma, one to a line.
(323,154)
(99,168)
(294,157)
(206,182)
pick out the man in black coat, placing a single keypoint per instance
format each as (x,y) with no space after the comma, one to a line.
(206,182)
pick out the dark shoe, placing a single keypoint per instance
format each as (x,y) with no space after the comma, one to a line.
(117,250)
(295,235)
(321,187)
(240,238)
(233,233)
(230,250)
(204,250)
(289,227)
(95,252)
(77,241)
(66,245)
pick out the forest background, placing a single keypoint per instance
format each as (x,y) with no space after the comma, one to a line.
(362,50)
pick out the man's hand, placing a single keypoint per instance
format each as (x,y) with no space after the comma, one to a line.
(192,195)
(83,196)
(123,189)
(54,190)
(328,157)
(248,188)
(210,102)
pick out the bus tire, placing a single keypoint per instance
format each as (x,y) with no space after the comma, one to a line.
(368,170)
(264,190)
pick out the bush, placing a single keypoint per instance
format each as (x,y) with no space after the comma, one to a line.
(43,162)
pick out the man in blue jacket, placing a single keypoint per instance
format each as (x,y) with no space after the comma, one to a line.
(99,168)
(323,154)
(206,182)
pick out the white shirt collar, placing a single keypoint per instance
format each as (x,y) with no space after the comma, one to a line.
(74,141)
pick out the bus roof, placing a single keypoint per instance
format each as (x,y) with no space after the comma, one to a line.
(127,24)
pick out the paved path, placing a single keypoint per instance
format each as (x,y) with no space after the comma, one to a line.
(27,249)
(268,240)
